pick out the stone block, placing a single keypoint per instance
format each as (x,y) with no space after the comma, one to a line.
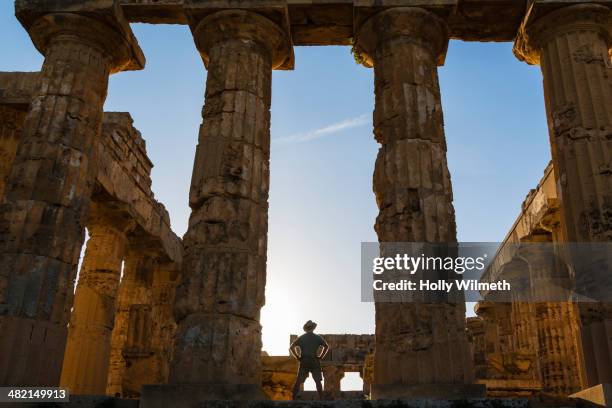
(600,394)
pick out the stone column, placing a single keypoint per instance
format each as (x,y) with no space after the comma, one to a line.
(421,348)
(218,301)
(86,360)
(332,378)
(165,279)
(571,44)
(134,291)
(148,346)
(42,217)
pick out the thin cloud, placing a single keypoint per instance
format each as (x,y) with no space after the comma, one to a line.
(329,130)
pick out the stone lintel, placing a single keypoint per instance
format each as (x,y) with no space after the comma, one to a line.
(17,88)
(540,213)
(274,10)
(154,12)
(330,22)
(44,18)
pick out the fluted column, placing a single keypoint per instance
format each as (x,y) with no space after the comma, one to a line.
(86,360)
(571,44)
(165,279)
(134,291)
(421,348)
(42,217)
(218,301)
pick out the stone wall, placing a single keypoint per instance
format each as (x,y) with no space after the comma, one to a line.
(526,348)
(347,353)
(125,223)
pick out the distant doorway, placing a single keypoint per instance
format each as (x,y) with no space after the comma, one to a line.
(351,382)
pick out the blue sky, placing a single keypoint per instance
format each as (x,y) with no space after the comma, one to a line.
(321,201)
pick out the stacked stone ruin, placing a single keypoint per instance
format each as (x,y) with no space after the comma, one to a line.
(182,324)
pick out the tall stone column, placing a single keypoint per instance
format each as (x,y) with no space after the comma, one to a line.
(134,296)
(86,360)
(218,301)
(42,217)
(571,44)
(421,348)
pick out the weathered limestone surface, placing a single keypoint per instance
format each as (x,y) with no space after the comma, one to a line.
(42,217)
(132,331)
(541,336)
(278,374)
(421,348)
(148,346)
(123,175)
(330,22)
(124,182)
(86,359)
(218,301)
(16,91)
(571,44)
(505,372)
(122,201)
(11,120)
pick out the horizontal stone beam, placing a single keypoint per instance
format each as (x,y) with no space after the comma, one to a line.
(331,22)
(539,212)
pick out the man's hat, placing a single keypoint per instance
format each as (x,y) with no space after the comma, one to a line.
(310,325)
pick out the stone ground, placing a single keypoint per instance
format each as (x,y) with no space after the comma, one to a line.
(108,402)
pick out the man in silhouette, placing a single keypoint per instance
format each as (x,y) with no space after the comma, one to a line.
(309,349)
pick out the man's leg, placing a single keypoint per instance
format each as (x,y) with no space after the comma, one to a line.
(299,380)
(317,376)
(319,389)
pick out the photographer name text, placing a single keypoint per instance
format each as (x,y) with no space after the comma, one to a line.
(440,285)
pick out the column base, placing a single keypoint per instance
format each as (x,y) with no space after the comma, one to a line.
(192,395)
(600,394)
(428,391)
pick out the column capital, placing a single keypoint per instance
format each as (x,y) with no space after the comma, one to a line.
(412,23)
(103,217)
(541,26)
(246,26)
(100,24)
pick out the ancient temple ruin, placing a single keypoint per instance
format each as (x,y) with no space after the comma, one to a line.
(348,353)
(177,321)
